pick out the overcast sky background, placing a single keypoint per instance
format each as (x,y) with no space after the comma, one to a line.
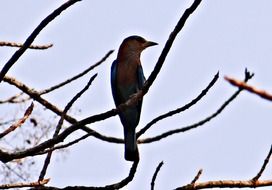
(226,36)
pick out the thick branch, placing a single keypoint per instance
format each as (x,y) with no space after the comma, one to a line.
(21,185)
(32,37)
(226,184)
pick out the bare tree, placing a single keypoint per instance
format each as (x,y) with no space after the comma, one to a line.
(46,140)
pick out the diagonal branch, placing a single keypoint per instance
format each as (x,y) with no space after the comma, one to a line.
(263,166)
(32,37)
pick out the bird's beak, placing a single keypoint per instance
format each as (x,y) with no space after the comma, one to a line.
(149,43)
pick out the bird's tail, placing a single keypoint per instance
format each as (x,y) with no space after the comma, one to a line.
(131,150)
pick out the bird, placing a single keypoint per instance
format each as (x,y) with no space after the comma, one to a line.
(127,78)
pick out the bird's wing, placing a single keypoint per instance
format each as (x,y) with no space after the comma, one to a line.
(113,82)
(141,81)
(141,77)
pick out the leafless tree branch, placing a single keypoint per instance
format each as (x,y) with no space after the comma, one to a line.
(155,175)
(256,178)
(14,44)
(21,185)
(197,176)
(252,89)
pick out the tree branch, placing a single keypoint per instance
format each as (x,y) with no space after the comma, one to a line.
(21,185)
(252,89)
(263,166)
(32,37)
(155,175)
(14,44)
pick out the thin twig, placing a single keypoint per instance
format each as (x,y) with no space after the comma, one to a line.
(32,37)
(197,176)
(256,178)
(252,89)
(155,175)
(12,99)
(181,109)
(64,145)
(21,185)
(19,123)
(13,44)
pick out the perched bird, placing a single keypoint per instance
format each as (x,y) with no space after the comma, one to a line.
(127,78)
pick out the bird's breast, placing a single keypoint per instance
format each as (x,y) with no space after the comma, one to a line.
(127,74)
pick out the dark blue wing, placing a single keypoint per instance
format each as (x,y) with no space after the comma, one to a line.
(141,81)
(113,82)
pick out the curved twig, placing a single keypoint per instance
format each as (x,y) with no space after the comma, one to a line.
(155,175)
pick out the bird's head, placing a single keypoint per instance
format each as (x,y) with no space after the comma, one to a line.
(133,46)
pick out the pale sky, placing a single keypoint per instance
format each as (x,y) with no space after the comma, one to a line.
(226,36)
